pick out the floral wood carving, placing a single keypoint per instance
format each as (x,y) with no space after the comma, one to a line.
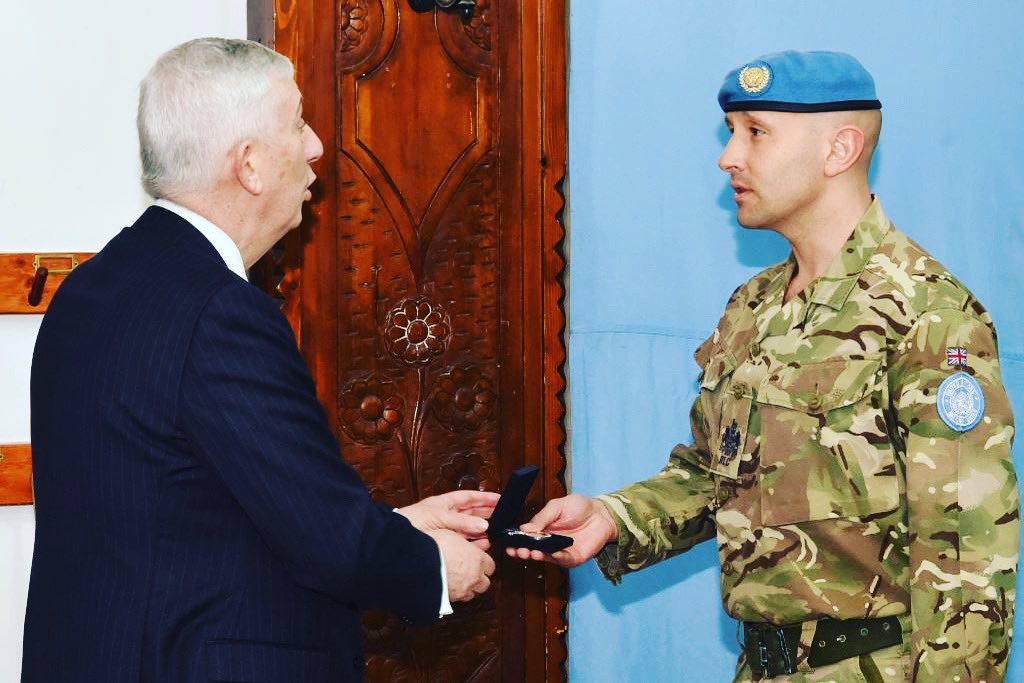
(417,331)
(479,27)
(370,410)
(351,24)
(464,398)
(468,471)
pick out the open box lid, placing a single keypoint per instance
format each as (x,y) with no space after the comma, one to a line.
(513,497)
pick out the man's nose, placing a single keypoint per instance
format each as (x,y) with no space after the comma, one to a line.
(314,146)
(729,161)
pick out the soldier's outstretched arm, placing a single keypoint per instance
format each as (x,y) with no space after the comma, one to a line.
(640,524)
(962,496)
(660,517)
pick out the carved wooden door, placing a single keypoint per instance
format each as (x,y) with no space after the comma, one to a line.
(424,283)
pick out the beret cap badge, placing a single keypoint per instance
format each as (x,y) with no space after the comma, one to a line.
(755,79)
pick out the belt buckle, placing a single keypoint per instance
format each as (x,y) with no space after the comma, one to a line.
(766,639)
(753,644)
(764,661)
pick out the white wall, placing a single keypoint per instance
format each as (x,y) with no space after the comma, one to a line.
(69,180)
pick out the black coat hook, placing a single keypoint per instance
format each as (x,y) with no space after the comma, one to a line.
(35,294)
(466,7)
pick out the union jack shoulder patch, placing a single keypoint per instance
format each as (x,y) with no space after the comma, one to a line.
(956,357)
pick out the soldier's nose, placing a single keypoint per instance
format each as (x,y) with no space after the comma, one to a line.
(729,160)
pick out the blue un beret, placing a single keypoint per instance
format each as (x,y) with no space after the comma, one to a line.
(799,82)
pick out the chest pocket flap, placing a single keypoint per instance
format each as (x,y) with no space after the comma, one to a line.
(825,449)
(823,386)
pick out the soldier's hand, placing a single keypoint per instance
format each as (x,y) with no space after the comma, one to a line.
(468,568)
(586,519)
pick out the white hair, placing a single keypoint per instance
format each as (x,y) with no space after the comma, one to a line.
(197,102)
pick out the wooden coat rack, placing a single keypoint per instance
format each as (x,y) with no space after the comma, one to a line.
(28,281)
(16,474)
(27,284)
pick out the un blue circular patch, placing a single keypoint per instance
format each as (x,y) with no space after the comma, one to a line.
(961,402)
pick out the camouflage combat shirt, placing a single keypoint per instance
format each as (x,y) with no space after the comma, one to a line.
(822,465)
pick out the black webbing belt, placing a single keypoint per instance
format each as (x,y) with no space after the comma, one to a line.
(772,650)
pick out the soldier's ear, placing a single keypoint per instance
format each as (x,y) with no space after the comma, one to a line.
(847,146)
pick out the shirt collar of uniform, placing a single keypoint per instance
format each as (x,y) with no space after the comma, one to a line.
(224,245)
(833,287)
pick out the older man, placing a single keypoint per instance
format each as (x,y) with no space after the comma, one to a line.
(195,521)
(852,434)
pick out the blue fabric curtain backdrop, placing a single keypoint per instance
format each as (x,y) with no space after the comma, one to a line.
(655,250)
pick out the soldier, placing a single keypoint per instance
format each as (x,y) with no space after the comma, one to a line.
(852,435)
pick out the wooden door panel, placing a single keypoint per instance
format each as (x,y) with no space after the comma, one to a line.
(424,285)
(418,357)
(444,115)
(417,298)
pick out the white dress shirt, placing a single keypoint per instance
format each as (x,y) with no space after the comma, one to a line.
(232,257)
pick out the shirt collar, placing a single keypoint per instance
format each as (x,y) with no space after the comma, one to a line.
(833,287)
(220,240)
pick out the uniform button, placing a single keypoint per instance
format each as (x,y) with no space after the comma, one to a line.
(755,350)
(738,390)
(727,569)
(723,495)
(815,402)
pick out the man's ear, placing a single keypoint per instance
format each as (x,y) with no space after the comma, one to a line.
(847,147)
(244,166)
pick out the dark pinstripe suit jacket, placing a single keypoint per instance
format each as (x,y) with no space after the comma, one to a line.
(194,521)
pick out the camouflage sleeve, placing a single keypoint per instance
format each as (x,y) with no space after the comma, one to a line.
(664,515)
(962,502)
